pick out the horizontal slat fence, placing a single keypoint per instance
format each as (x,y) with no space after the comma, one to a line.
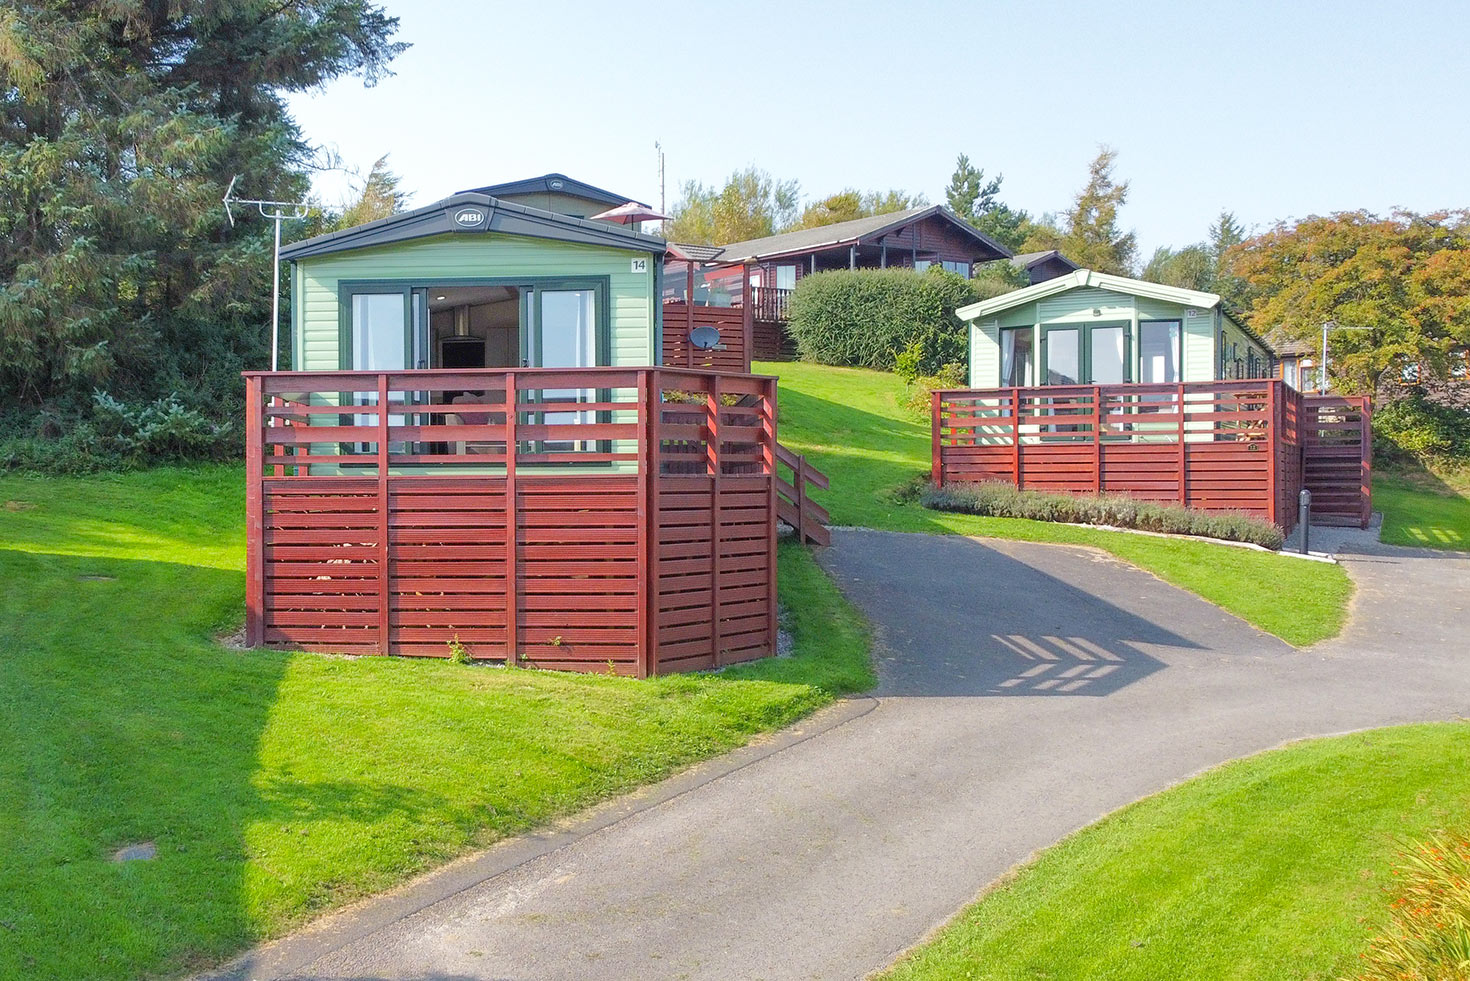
(680,319)
(1337,440)
(616,520)
(1214,446)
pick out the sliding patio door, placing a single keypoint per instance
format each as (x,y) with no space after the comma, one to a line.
(564,335)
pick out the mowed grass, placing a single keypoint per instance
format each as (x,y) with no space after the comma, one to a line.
(1273,866)
(1422,509)
(852,424)
(277,786)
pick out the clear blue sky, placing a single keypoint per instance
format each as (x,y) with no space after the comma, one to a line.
(1271,110)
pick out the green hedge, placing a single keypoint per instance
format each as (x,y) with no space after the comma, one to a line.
(1416,428)
(997,500)
(867,317)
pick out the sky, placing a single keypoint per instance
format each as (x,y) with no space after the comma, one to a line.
(1273,111)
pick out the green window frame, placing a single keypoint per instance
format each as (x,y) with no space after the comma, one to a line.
(1084,354)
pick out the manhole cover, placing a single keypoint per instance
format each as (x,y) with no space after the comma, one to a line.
(141,852)
(97,578)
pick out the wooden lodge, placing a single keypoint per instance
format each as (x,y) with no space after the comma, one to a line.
(480,452)
(759,276)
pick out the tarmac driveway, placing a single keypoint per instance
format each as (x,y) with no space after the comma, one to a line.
(1026,690)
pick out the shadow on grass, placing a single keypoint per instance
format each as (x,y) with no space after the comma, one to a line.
(124,723)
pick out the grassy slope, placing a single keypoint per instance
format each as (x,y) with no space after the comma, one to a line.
(1269,867)
(1421,508)
(853,427)
(276,786)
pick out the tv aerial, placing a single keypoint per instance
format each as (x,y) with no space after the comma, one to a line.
(276,211)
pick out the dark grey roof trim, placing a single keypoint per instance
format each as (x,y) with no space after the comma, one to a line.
(505,217)
(569,185)
(855,232)
(1028,259)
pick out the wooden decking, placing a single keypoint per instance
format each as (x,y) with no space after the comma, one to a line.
(1247,446)
(617,520)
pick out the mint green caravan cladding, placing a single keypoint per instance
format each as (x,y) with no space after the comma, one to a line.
(1091,328)
(473,281)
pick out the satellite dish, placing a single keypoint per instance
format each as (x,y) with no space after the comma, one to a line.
(705,337)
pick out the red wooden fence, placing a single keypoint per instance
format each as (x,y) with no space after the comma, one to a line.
(1337,442)
(1214,446)
(733,353)
(617,519)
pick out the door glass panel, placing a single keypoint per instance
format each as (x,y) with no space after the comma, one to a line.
(379,333)
(380,339)
(1063,357)
(568,339)
(1158,351)
(1109,366)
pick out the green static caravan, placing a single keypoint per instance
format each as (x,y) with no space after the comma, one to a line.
(476,281)
(1091,328)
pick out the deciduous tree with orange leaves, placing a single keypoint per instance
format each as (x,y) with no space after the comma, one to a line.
(1404,277)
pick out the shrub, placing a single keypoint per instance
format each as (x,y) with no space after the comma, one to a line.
(999,500)
(870,318)
(117,435)
(918,392)
(1417,428)
(1429,935)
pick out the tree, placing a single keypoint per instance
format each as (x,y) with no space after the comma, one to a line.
(1406,278)
(977,201)
(381,196)
(1191,268)
(120,125)
(1089,234)
(1225,234)
(850,203)
(751,204)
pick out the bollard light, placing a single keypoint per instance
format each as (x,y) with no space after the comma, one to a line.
(1304,515)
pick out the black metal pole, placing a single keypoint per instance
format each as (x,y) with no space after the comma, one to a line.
(1304,516)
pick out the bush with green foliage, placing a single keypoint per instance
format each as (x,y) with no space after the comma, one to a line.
(117,435)
(868,318)
(919,391)
(1417,428)
(998,500)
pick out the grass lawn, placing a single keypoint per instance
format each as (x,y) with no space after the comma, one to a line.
(276,786)
(853,426)
(1268,867)
(1424,509)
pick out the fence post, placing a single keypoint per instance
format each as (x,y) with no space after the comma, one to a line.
(385,583)
(1183,454)
(646,590)
(254,514)
(512,526)
(689,320)
(1273,438)
(1097,481)
(712,458)
(936,445)
(1016,437)
(768,423)
(1365,446)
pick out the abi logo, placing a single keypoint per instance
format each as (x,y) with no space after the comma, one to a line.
(469,218)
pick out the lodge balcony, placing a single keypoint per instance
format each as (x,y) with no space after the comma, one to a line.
(592,519)
(1230,446)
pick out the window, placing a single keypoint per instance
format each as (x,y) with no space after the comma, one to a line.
(958,268)
(1158,352)
(785,277)
(1063,349)
(1409,373)
(1015,356)
(1108,356)
(1224,356)
(1288,373)
(1092,355)
(922,264)
(1459,362)
(380,334)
